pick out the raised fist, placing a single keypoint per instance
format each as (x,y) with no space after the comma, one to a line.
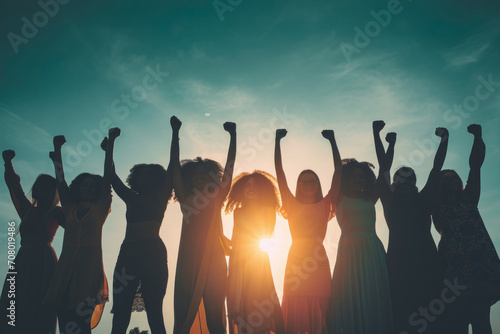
(104,144)
(175,123)
(328,134)
(8,155)
(475,129)
(442,132)
(230,127)
(378,125)
(52,156)
(390,137)
(280,133)
(58,142)
(114,133)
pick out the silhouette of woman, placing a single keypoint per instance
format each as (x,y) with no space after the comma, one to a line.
(251,294)
(361,300)
(201,186)
(35,260)
(307,286)
(143,256)
(412,261)
(470,257)
(79,288)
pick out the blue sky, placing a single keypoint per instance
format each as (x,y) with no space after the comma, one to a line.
(262,64)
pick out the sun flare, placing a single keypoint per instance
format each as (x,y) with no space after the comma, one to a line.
(267,245)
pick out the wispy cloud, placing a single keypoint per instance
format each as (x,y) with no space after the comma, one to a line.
(15,129)
(466,53)
(473,48)
(217,100)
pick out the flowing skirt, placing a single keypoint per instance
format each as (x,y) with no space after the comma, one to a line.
(252,302)
(361,300)
(307,288)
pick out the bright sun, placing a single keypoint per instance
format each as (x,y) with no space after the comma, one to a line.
(267,244)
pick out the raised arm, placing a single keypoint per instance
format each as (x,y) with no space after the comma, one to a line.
(476,160)
(62,186)
(384,178)
(124,192)
(174,163)
(13,181)
(278,165)
(442,149)
(390,138)
(383,183)
(384,160)
(377,126)
(439,158)
(113,133)
(337,163)
(174,151)
(227,177)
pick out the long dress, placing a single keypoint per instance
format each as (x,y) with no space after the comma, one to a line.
(252,303)
(361,300)
(34,265)
(79,281)
(308,281)
(412,260)
(200,277)
(467,250)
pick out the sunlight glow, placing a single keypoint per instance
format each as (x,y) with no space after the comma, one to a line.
(267,245)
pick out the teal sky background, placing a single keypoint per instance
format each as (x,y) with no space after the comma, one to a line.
(261,64)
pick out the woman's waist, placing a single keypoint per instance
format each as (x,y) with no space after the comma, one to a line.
(357,228)
(143,248)
(36,239)
(142,230)
(303,249)
(308,239)
(79,240)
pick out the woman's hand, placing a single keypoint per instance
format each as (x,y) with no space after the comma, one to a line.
(230,127)
(104,144)
(378,126)
(475,129)
(175,123)
(58,142)
(114,133)
(442,132)
(328,134)
(390,137)
(280,133)
(8,155)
